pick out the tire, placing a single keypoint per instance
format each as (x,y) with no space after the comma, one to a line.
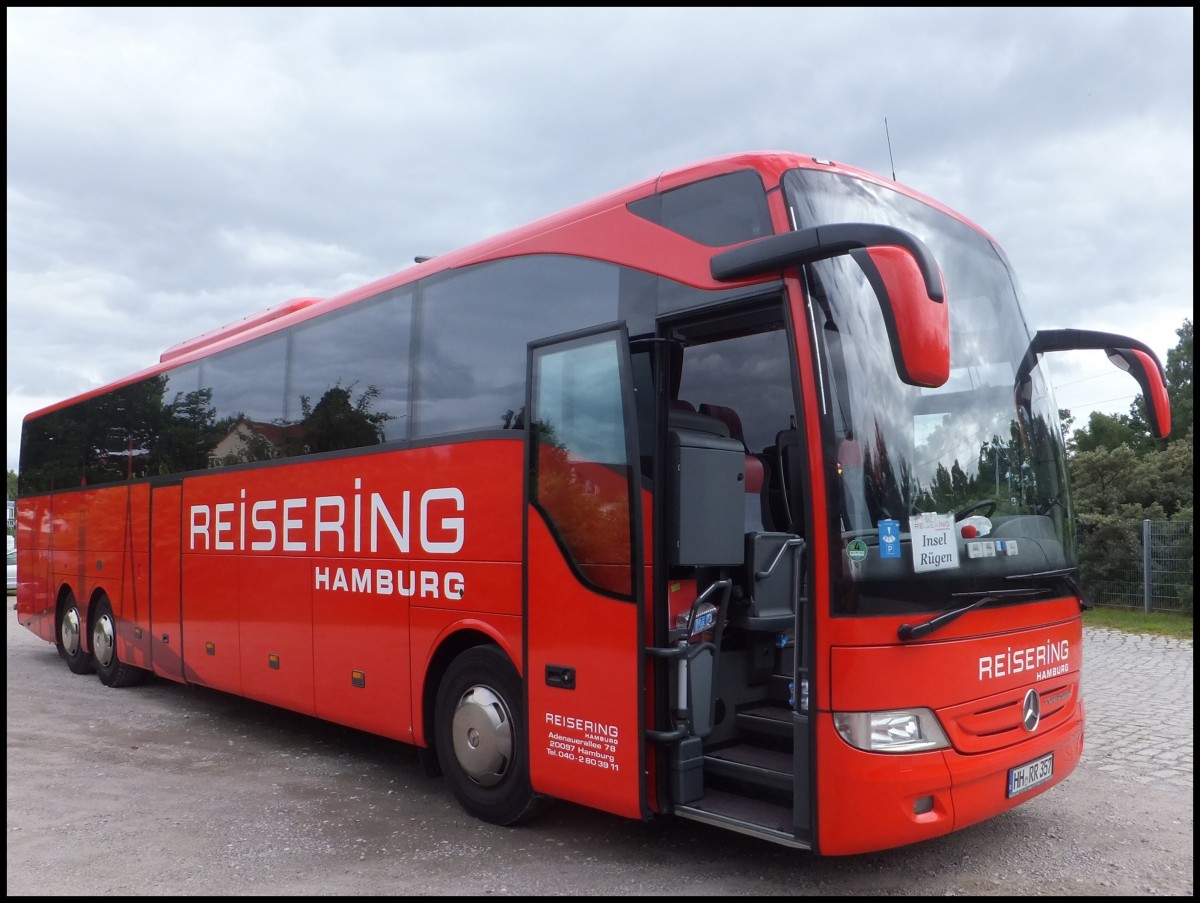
(479,734)
(69,639)
(109,668)
(428,758)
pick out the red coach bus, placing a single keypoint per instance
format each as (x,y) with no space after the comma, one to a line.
(738,495)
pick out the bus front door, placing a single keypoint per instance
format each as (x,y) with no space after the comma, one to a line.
(583,595)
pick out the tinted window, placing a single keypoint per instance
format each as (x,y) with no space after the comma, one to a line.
(247,402)
(750,375)
(348,376)
(582,471)
(183,433)
(474,327)
(151,427)
(723,210)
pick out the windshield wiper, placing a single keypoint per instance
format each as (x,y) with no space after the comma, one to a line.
(915,632)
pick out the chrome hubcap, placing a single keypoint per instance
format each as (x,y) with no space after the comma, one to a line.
(103,641)
(483,736)
(69,632)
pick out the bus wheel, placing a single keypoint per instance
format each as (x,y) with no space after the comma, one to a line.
(109,668)
(479,733)
(70,642)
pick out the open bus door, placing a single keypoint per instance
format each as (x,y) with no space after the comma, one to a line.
(584,593)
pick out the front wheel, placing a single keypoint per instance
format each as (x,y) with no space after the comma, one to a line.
(479,733)
(109,668)
(70,637)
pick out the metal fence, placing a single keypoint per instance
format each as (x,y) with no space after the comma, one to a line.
(1155,577)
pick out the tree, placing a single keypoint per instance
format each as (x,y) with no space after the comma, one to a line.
(338,421)
(1107,432)
(1179,381)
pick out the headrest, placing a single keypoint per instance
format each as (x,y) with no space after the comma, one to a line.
(728,416)
(703,423)
(754,474)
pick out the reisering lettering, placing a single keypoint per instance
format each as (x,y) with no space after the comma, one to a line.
(332,524)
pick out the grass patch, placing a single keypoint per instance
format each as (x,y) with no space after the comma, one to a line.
(1134,620)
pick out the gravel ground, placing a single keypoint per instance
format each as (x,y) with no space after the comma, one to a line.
(170,790)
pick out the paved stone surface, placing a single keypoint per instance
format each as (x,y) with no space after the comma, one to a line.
(1138,692)
(168,790)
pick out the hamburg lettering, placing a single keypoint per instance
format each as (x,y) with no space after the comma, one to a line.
(1047,659)
(389,582)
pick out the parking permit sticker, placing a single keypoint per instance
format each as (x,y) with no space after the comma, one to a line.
(934,545)
(889,538)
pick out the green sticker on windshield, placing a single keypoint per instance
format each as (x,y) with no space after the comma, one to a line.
(856,550)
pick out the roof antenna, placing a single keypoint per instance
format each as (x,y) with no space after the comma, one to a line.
(889,140)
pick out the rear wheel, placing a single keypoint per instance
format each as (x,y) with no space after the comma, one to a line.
(479,732)
(109,668)
(70,637)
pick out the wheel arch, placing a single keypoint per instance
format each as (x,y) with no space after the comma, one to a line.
(449,647)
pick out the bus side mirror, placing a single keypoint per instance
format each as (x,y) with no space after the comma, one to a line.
(900,268)
(1130,355)
(918,325)
(1145,368)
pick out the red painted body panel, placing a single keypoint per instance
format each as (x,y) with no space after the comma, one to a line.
(965,789)
(96,542)
(35,595)
(276,632)
(166,612)
(291,626)
(943,672)
(975,687)
(211,637)
(129,555)
(583,741)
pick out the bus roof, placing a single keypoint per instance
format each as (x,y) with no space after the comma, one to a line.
(600,228)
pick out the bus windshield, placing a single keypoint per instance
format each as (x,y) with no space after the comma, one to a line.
(937,496)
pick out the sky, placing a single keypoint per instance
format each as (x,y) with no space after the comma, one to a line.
(171,170)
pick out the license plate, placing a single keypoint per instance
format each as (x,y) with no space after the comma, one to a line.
(1027,776)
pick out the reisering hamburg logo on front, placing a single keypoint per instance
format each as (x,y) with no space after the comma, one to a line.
(1047,659)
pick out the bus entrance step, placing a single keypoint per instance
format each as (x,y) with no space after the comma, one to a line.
(769,819)
(766,719)
(751,765)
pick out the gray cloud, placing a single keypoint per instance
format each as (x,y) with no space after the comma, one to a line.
(171,170)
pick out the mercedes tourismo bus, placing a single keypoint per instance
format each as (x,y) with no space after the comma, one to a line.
(737,495)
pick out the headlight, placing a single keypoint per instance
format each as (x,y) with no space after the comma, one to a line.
(906,730)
